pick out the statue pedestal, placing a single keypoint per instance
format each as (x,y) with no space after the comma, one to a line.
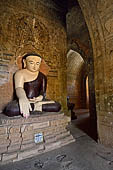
(22,138)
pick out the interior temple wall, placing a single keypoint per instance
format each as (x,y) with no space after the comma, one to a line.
(32,26)
(79,40)
(99,19)
(38,26)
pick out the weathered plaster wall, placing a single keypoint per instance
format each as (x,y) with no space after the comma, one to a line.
(32,26)
(99,18)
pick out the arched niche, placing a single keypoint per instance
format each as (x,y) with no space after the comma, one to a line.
(76,89)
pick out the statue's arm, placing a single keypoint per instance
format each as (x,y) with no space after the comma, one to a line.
(24,103)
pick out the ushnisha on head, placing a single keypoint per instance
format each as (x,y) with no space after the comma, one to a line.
(32,62)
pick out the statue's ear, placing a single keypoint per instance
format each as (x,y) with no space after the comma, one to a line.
(24,62)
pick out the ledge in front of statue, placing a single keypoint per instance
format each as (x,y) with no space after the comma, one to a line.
(22,138)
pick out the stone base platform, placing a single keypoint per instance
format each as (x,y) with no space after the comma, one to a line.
(22,138)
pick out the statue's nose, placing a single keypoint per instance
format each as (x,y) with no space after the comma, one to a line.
(35,66)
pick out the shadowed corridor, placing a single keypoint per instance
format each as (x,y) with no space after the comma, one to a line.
(84,123)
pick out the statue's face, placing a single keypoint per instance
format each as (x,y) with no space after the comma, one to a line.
(32,63)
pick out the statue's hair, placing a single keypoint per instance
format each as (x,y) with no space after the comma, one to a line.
(30,54)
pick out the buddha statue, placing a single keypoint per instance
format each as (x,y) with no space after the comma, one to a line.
(30,89)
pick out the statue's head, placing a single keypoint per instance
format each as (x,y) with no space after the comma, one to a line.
(32,62)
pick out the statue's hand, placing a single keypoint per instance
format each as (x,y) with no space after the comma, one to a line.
(36,99)
(25,107)
(38,106)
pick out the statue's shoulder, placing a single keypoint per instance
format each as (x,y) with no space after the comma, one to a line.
(19,73)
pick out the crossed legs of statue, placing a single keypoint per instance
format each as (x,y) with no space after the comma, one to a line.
(12,108)
(38,106)
(47,106)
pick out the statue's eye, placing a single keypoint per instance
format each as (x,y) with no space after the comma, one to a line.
(37,63)
(31,62)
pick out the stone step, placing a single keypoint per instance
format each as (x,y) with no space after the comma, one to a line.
(37,149)
(61,142)
(17,135)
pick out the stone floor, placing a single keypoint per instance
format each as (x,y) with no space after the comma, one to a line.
(84,154)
